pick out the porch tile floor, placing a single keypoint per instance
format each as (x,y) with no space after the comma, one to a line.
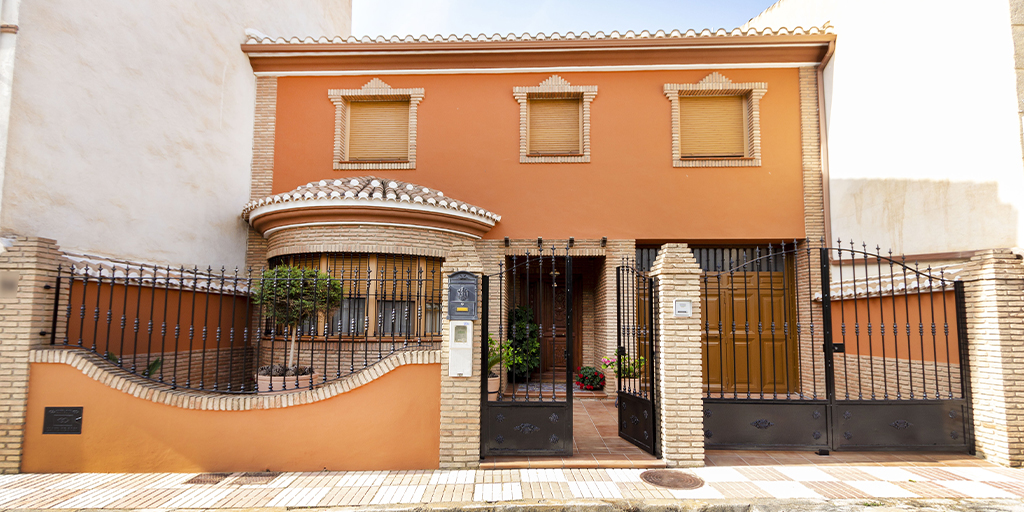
(803,475)
(596,443)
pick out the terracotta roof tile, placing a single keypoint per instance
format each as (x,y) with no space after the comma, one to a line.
(379,191)
(254,37)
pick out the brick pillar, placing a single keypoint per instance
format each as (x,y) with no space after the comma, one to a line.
(262,177)
(994,289)
(680,408)
(26,312)
(460,396)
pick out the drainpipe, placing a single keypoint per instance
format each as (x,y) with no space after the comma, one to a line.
(8,36)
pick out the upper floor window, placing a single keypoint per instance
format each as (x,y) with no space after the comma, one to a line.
(555,127)
(375,126)
(716,123)
(554,121)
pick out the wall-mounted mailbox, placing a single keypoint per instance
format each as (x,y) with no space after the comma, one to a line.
(462,292)
(682,307)
(460,363)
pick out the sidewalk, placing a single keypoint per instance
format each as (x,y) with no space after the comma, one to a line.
(763,476)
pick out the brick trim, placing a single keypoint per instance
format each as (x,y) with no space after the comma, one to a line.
(716,84)
(96,368)
(811,157)
(374,90)
(554,87)
(262,178)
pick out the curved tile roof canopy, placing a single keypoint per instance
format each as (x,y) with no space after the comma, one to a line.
(367,200)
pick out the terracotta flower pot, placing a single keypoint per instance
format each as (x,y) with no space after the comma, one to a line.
(493,385)
(284,384)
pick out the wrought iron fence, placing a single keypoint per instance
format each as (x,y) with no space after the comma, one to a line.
(289,327)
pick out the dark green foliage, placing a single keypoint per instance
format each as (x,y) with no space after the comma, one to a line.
(523,355)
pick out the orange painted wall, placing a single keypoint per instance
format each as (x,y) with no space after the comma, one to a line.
(926,309)
(468,147)
(392,423)
(178,308)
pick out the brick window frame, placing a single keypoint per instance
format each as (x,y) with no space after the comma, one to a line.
(555,87)
(374,90)
(716,84)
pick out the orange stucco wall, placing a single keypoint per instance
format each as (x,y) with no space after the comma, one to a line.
(468,147)
(392,423)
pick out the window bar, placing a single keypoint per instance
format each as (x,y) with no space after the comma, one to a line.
(906,308)
(510,319)
(149,326)
(881,323)
(935,350)
(529,327)
(135,322)
(56,305)
(771,302)
(124,311)
(395,300)
(618,327)
(706,352)
(163,321)
(721,337)
(920,332)
(371,297)
(314,327)
(784,256)
(895,326)
(554,321)
(810,313)
(177,326)
(206,323)
(856,323)
(502,348)
(219,331)
(945,330)
(245,331)
(867,306)
(382,295)
(842,321)
(732,308)
(746,320)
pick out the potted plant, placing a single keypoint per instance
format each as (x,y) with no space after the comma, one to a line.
(523,352)
(290,296)
(493,358)
(589,378)
(626,367)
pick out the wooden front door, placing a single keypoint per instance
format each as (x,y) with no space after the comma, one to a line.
(751,338)
(553,323)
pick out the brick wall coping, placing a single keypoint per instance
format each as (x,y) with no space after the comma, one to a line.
(96,368)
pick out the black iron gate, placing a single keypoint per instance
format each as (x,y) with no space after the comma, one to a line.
(833,348)
(526,337)
(636,357)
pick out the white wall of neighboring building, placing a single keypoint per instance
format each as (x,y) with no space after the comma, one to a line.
(131,122)
(924,152)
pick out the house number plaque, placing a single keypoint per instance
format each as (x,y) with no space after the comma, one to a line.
(462,292)
(62,420)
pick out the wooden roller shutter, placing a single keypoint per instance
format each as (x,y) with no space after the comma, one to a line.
(555,127)
(378,130)
(712,126)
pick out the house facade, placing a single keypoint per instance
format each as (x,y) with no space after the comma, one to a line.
(440,233)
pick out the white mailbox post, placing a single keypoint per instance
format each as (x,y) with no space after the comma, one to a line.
(460,362)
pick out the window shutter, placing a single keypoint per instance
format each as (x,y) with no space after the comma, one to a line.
(712,126)
(378,130)
(555,126)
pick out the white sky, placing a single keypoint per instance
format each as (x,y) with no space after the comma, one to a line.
(460,17)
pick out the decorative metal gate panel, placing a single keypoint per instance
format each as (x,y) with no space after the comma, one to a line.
(636,357)
(833,348)
(526,340)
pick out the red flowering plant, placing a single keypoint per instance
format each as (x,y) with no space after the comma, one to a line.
(589,378)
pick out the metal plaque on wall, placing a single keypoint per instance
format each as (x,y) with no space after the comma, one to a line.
(62,420)
(462,292)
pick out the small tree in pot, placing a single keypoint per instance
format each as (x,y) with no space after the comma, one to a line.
(292,295)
